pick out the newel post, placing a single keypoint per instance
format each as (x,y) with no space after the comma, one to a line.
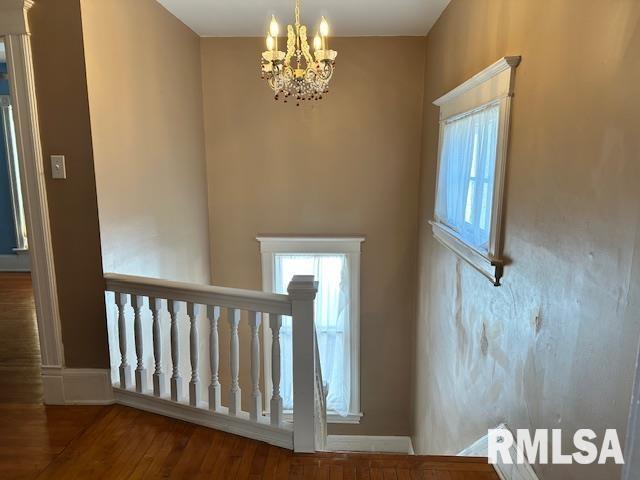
(302,293)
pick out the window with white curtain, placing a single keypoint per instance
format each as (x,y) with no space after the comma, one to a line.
(466,177)
(474,127)
(335,264)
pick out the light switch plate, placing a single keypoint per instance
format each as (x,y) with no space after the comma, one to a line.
(58,167)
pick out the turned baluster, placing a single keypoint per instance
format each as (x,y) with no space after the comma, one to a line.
(275,322)
(125,369)
(194,383)
(176,380)
(234,360)
(137,301)
(159,383)
(256,396)
(213,314)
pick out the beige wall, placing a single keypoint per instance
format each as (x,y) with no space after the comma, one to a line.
(345,165)
(555,345)
(61,89)
(145,98)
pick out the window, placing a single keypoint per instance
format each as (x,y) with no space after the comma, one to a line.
(335,263)
(474,121)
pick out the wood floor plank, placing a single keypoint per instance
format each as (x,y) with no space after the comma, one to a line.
(117,442)
(20,380)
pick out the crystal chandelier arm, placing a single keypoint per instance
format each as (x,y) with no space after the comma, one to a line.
(304,46)
(291,45)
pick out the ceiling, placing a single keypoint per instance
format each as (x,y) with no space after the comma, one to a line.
(238,18)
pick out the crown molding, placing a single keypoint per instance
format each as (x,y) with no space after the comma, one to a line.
(491,71)
(13,17)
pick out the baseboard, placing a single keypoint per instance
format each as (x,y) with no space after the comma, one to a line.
(515,471)
(15,263)
(76,386)
(369,443)
(239,425)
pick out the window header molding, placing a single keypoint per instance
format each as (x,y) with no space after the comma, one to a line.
(310,244)
(505,63)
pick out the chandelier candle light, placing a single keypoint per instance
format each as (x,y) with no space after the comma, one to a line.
(297,73)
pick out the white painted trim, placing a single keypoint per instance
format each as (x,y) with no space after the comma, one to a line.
(14,29)
(515,471)
(15,263)
(200,294)
(490,268)
(349,245)
(239,425)
(77,386)
(332,417)
(478,79)
(369,443)
(311,244)
(494,85)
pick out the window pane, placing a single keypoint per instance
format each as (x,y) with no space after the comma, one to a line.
(331,319)
(468,156)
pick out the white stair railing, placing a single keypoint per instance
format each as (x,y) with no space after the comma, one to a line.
(307,433)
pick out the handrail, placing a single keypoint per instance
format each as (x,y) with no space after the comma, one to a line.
(202,294)
(153,298)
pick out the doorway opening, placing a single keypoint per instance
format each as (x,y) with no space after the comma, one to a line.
(20,359)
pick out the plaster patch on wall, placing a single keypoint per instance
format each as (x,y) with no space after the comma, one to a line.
(484,342)
(457,313)
(537,321)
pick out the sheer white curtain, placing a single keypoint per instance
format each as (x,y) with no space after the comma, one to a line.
(467,168)
(331,319)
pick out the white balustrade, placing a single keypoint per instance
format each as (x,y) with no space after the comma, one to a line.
(306,433)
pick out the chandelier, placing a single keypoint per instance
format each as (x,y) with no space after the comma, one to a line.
(297,73)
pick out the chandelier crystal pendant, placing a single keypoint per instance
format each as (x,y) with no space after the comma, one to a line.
(297,73)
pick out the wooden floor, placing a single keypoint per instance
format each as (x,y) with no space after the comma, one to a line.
(116,442)
(19,348)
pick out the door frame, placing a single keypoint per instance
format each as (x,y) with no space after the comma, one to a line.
(14,30)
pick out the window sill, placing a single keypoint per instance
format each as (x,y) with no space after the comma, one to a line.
(492,268)
(350,419)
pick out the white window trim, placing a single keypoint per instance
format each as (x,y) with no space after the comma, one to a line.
(494,85)
(349,245)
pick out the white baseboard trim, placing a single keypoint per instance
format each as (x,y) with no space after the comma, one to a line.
(480,448)
(15,263)
(369,443)
(76,386)
(239,425)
